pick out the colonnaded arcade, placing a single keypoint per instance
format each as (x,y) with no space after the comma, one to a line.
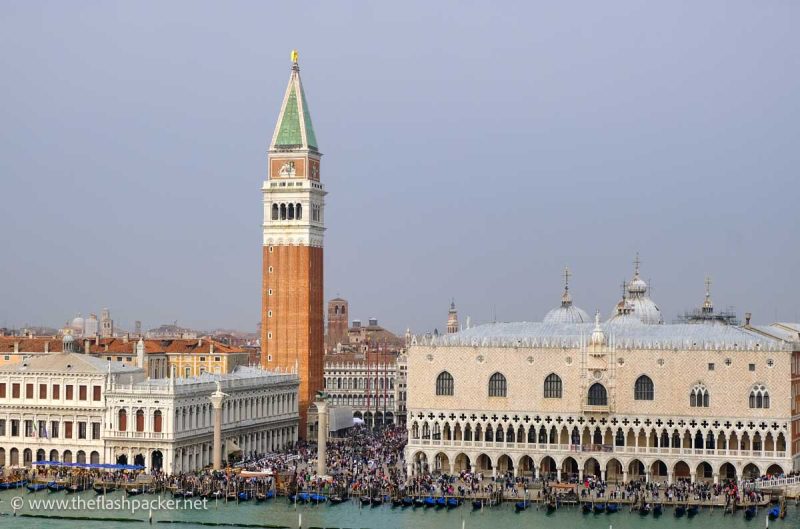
(630,398)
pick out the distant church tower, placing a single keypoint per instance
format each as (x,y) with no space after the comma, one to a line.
(338,313)
(292,326)
(452,319)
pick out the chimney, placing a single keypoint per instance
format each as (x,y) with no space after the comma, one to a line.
(46,347)
(747,317)
(87,346)
(97,339)
(200,342)
(16,347)
(211,347)
(126,338)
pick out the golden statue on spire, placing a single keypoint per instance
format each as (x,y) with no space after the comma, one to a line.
(294,56)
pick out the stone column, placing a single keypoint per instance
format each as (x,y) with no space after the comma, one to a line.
(216,402)
(322,435)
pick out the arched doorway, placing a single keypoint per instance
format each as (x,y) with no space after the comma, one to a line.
(484,463)
(681,470)
(94,457)
(14,457)
(547,468)
(704,472)
(504,464)
(526,466)
(441,463)
(421,462)
(591,468)
(750,471)
(80,457)
(122,459)
(569,469)
(614,470)
(462,463)
(67,456)
(40,455)
(635,470)
(53,455)
(2,457)
(156,460)
(138,460)
(774,470)
(658,471)
(727,471)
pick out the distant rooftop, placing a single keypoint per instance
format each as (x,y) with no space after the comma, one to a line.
(624,336)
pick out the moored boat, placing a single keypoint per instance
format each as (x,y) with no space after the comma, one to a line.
(134,491)
(477,504)
(36,487)
(317,498)
(774,512)
(429,501)
(599,507)
(644,510)
(441,502)
(408,501)
(453,503)
(657,509)
(692,510)
(680,510)
(612,508)
(55,486)
(586,507)
(336,499)
(13,484)
(245,495)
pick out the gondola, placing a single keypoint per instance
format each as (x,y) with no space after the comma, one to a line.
(477,504)
(134,491)
(72,489)
(644,510)
(430,501)
(245,495)
(303,497)
(680,510)
(55,486)
(692,510)
(215,495)
(377,501)
(586,508)
(750,512)
(102,488)
(453,503)
(441,502)
(551,506)
(521,506)
(188,494)
(317,498)
(397,502)
(657,509)
(408,501)
(612,508)
(177,493)
(13,484)
(336,499)
(599,508)
(366,500)
(774,512)
(36,487)
(419,502)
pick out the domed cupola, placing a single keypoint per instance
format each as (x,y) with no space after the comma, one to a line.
(642,307)
(567,312)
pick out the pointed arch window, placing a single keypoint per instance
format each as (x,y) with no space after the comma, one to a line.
(275,212)
(699,397)
(643,389)
(759,396)
(444,384)
(552,386)
(598,395)
(497,385)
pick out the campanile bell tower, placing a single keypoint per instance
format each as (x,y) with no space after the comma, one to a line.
(292,326)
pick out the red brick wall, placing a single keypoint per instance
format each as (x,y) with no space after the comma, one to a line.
(296,324)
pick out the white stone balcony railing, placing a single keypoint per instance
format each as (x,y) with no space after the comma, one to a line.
(115,434)
(547,448)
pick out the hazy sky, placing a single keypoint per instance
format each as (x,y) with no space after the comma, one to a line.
(472,150)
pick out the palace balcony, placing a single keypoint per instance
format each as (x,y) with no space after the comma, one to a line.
(547,449)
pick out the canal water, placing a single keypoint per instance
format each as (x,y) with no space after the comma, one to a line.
(352,515)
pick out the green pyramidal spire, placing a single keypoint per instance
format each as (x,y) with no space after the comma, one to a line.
(294,129)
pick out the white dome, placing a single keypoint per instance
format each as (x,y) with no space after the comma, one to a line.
(568,314)
(68,338)
(646,310)
(77,324)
